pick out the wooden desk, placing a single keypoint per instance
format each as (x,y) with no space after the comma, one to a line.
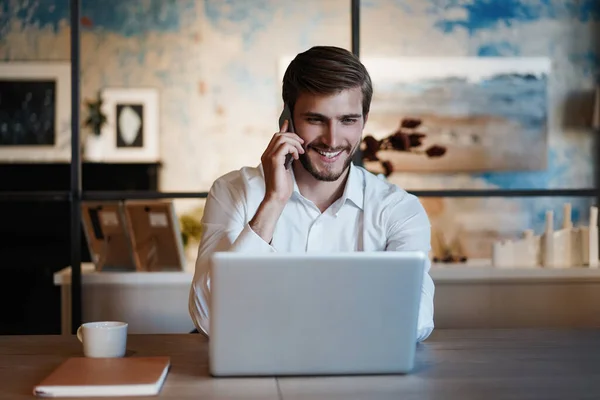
(452,364)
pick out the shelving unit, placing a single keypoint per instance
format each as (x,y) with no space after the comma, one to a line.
(76,193)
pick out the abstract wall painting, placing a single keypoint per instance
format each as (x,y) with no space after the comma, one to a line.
(35,111)
(464,114)
(131,132)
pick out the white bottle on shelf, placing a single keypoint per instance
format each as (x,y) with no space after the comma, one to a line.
(593,238)
(548,240)
(564,252)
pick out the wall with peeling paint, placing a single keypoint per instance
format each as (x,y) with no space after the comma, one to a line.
(215,64)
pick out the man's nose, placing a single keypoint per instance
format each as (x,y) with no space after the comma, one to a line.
(330,134)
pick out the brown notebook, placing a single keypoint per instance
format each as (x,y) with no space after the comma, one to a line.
(101,377)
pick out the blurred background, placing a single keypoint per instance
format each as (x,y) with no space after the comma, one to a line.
(474,95)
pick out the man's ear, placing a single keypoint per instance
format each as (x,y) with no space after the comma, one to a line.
(365,118)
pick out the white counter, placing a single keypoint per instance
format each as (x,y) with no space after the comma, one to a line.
(473,271)
(468,295)
(150,302)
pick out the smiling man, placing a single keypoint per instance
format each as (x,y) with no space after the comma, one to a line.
(323,202)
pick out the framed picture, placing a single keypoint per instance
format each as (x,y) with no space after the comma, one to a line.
(108,235)
(131,129)
(477,114)
(35,111)
(156,235)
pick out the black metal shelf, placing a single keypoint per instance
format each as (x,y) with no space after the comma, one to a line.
(151,195)
(139,195)
(421,193)
(508,193)
(35,196)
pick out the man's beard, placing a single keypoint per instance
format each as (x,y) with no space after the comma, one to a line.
(327,175)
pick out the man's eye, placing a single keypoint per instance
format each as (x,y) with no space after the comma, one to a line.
(313,120)
(349,121)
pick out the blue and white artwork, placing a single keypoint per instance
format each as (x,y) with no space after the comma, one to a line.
(486,114)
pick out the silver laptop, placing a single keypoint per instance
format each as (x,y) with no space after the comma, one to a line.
(314,314)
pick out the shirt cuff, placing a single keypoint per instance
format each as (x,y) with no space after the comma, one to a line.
(248,240)
(423,333)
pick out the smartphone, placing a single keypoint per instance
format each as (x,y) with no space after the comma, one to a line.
(287,114)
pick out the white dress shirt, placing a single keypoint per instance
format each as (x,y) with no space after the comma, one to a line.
(371,215)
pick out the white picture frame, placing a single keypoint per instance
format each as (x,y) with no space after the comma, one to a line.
(59,74)
(131,132)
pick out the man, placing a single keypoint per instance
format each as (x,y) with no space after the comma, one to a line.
(323,202)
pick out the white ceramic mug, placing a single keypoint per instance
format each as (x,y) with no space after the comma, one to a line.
(105,339)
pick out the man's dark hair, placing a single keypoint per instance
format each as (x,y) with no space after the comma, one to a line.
(326,70)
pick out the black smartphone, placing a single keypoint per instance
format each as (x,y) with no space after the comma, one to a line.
(287,114)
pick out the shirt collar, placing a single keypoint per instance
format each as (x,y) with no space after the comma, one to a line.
(354,190)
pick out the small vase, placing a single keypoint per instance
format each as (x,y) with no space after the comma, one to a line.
(94,148)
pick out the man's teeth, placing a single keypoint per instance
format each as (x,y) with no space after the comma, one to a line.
(328,154)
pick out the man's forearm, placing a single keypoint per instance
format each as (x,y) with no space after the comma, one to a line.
(264,221)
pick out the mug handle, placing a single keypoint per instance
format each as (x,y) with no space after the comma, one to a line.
(80,334)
